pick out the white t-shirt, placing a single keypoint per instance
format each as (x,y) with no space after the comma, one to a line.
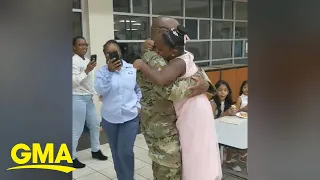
(221,107)
(82,83)
(244,99)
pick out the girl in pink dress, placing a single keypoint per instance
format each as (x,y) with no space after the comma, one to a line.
(199,145)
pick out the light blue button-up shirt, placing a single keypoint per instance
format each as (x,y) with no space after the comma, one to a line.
(120,93)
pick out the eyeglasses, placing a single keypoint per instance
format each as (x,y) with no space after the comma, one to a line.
(83,45)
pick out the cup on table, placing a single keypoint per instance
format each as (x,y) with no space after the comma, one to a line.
(234,109)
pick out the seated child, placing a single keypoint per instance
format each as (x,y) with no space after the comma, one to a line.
(242,102)
(222,101)
(222,105)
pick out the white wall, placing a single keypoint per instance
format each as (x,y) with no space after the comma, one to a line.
(100,25)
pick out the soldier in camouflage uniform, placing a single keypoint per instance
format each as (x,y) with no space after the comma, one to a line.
(158,116)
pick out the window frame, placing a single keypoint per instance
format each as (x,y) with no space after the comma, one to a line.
(84,21)
(150,15)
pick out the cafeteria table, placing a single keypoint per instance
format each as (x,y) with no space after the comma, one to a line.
(232,131)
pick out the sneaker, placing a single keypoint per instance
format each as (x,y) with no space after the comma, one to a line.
(98,155)
(77,164)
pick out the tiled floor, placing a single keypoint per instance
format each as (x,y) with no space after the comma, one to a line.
(104,170)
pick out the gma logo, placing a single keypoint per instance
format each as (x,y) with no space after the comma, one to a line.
(41,159)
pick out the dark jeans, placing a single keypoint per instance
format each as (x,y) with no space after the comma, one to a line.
(121,139)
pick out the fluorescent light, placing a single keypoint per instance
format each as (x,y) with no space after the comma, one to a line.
(116,30)
(132,29)
(136,24)
(127,21)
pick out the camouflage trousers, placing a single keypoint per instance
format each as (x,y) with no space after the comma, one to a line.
(164,148)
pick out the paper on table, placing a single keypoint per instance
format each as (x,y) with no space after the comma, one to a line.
(231,120)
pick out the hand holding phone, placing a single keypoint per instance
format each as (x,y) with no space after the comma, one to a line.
(90,67)
(114,62)
(92,64)
(113,56)
(93,58)
(114,65)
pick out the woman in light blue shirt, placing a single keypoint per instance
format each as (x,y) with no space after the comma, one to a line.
(116,84)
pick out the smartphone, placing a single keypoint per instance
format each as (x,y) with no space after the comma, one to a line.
(93,58)
(114,55)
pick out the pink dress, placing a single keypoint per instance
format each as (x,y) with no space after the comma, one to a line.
(199,144)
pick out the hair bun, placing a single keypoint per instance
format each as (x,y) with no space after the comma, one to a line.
(182,30)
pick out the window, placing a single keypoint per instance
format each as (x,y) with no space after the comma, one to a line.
(238,49)
(140,6)
(221,30)
(221,62)
(192,27)
(217,28)
(121,5)
(241,61)
(221,49)
(77,18)
(217,9)
(204,32)
(76,4)
(199,8)
(200,50)
(228,9)
(128,48)
(241,11)
(241,30)
(77,24)
(131,27)
(167,7)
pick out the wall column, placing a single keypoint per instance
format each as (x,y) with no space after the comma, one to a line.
(100,17)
